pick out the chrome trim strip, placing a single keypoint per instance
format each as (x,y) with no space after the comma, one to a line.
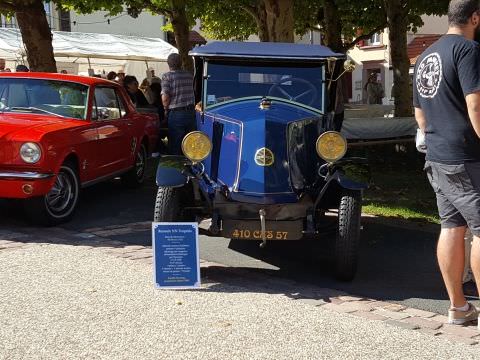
(24,175)
(324,89)
(249,98)
(104,177)
(239,156)
(270,193)
(216,117)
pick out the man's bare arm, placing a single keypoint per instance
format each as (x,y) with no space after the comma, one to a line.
(473,106)
(165,101)
(421,120)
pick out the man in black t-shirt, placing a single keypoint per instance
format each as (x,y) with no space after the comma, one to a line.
(446,96)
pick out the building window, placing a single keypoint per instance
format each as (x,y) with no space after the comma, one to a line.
(48,13)
(65,24)
(8,22)
(376,39)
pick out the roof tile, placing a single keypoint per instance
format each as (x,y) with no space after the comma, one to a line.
(418,45)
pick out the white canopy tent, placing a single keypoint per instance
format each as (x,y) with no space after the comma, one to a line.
(102,52)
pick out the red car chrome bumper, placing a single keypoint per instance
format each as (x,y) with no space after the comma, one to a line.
(23,184)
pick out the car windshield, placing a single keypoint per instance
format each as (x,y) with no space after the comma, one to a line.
(299,83)
(53,97)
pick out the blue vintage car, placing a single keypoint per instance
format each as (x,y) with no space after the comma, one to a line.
(267,160)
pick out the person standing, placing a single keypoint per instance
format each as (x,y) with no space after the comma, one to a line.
(120,76)
(446,97)
(178,101)
(22,68)
(374,89)
(111,75)
(136,95)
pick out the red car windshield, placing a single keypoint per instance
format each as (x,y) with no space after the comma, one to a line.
(54,97)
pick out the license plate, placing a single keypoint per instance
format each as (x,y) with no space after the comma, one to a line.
(251,230)
(258,234)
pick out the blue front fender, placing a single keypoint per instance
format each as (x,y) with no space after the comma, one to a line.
(346,182)
(173,171)
(350,176)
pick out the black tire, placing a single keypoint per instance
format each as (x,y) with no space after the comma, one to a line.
(168,204)
(135,177)
(59,205)
(348,235)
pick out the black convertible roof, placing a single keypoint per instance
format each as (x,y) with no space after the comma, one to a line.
(264,50)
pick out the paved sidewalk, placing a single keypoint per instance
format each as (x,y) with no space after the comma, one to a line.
(97,301)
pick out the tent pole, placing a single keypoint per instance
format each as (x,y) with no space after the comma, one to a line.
(149,74)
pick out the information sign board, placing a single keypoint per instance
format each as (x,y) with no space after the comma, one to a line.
(175,255)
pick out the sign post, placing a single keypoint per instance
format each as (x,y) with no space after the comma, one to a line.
(175,255)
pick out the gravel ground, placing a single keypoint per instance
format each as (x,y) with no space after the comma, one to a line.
(65,302)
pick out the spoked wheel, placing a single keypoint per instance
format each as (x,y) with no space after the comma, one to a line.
(348,235)
(59,204)
(136,176)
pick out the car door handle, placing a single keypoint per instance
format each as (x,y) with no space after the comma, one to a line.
(130,124)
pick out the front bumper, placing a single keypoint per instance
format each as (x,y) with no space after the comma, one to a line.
(24,184)
(241,220)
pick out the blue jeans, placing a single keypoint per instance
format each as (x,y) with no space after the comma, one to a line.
(180,123)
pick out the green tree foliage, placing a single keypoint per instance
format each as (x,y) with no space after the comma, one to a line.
(224,19)
(404,15)
(271,20)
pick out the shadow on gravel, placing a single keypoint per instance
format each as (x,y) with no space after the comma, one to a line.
(396,265)
(265,281)
(105,204)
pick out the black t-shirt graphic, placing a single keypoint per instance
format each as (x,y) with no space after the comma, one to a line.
(445,73)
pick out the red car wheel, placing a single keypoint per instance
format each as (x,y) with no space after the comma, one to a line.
(59,204)
(136,176)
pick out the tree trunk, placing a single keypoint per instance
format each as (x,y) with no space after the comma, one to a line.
(181,31)
(37,37)
(333,39)
(397,33)
(333,26)
(261,20)
(279,20)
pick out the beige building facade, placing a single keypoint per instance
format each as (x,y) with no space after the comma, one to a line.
(145,25)
(373,56)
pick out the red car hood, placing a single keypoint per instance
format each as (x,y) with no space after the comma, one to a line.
(13,125)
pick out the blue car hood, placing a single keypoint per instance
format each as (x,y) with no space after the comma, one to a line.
(241,129)
(249,111)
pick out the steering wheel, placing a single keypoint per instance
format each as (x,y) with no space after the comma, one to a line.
(310,93)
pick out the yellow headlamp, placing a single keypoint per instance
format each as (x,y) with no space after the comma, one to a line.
(196,146)
(331,146)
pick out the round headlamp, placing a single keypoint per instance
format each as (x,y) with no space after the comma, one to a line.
(196,146)
(30,152)
(331,146)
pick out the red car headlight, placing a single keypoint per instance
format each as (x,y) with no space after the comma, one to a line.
(30,152)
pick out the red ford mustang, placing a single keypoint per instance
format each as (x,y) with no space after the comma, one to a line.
(59,133)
